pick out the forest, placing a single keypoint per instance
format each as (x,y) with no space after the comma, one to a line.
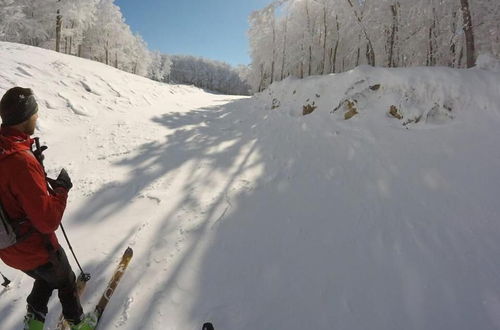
(298,38)
(97,30)
(301,38)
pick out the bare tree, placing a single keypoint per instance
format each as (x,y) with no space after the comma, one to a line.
(453,41)
(273,61)
(392,39)
(370,52)
(310,41)
(337,41)
(325,27)
(469,35)
(284,46)
(58,29)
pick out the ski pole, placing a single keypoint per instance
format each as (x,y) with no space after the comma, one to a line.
(6,281)
(39,156)
(85,276)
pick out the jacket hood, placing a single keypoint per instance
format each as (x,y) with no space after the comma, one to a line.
(12,141)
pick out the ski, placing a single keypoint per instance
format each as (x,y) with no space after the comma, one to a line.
(108,292)
(113,283)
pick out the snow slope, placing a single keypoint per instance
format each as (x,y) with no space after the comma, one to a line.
(261,218)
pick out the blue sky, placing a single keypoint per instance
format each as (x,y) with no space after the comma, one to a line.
(214,29)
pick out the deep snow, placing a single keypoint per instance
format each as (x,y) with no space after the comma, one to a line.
(261,218)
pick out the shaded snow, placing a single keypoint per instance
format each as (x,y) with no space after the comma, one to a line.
(256,218)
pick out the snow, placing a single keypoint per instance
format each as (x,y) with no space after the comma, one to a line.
(488,62)
(260,218)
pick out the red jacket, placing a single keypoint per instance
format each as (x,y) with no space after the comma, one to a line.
(24,194)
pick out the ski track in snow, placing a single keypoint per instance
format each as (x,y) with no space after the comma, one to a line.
(260,218)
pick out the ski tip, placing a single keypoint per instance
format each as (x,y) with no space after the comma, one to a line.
(207,326)
(128,252)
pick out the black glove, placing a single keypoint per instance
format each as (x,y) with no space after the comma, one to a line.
(63,181)
(39,154)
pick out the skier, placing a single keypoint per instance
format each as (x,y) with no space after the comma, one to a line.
(35,205)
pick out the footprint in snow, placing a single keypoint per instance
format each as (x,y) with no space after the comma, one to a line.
(24,71)
(125,313)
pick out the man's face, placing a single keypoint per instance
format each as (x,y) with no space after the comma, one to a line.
(31,124)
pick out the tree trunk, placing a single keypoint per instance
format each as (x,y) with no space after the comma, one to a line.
(310,37)
(71,38)
(469,35)
(309,71)
(116,59)
(107,52)
(335,52)
(58,30)
(325,37)
(430,50)
(461,56)
(367,53)
(371,51)
(284,49)
(302,54)
(453,55)
(392,38)
(261,83)
(334,61)
(431,56)
(330,61)
(274,50)
(453,47)
(359,52)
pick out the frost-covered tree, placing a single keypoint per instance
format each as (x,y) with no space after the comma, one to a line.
(262,36)
(29,22)
(105,38)
(308,37)
(25,21)
(208,74)
(76,18)
(13,21)
(160,66)
(94,29)
(110,40)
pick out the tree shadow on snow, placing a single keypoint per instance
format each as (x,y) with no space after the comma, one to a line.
(279,256)
(195,141)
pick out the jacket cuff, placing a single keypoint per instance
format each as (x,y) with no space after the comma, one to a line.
(61,190)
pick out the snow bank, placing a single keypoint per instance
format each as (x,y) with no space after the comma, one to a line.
(414,97)
(68,85)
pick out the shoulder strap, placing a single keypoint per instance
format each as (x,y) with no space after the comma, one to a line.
(5,220)
(8,236)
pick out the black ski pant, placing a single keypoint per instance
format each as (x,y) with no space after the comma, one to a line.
(55,275)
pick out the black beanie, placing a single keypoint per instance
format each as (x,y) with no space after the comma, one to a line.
(17,105)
